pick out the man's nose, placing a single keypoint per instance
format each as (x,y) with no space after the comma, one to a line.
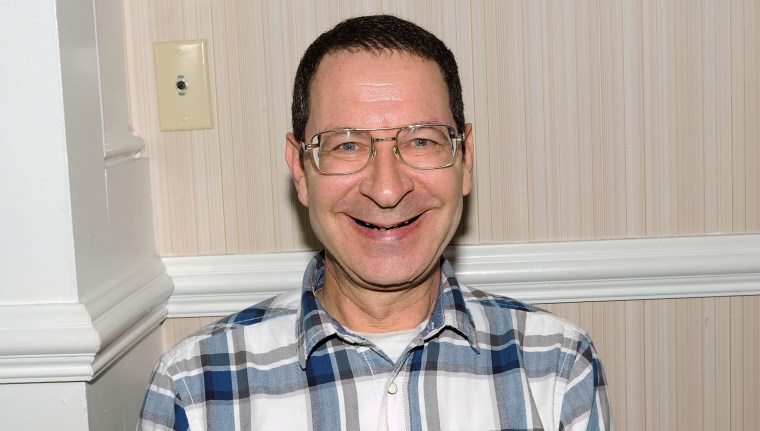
(387,180)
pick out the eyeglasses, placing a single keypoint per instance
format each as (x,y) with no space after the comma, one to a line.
(419,146)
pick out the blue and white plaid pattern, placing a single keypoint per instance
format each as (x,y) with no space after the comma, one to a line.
(482,362)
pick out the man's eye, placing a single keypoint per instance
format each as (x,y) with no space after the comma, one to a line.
(347,147)
(421,144)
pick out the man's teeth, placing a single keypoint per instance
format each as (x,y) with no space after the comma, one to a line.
(381,228)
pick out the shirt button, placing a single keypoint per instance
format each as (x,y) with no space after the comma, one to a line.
(392,389)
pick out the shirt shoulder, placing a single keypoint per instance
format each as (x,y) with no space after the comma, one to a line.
(489,310)
(275,316)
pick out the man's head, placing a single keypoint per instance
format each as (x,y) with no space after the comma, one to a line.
(375,34)
(383,225)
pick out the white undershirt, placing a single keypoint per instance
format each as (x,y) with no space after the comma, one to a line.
(392,344)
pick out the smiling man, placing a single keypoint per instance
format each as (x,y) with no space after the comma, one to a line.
(385,224)
(381,336)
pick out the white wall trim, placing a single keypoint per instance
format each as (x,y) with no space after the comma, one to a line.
(122,147)
(608,270)
(75,341)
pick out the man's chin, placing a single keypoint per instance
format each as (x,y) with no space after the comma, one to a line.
(388,276)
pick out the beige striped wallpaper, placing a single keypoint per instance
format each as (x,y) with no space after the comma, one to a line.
(593,119)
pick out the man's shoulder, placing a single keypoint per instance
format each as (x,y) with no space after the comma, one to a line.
(269,311)
(494,308)
(496,301)
(275,316)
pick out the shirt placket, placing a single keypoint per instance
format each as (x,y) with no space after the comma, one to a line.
(395,394)
(397,391)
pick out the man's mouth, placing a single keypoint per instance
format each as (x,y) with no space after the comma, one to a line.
(385,228)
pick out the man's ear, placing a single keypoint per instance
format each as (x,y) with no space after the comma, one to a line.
(468,146)
(297,168)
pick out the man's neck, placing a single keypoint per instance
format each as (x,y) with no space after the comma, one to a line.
(375,310)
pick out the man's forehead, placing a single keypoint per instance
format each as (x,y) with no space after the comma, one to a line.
(376,73)
(345,59)
(363,88)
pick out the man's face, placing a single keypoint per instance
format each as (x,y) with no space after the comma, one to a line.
(386,226)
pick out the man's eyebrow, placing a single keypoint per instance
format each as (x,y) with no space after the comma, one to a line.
(428,122)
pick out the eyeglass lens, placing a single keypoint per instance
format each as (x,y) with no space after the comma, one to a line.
(424,147)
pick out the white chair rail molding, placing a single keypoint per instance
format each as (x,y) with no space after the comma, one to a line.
(552,272)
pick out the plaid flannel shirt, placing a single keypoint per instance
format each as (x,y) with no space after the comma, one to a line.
(482,362)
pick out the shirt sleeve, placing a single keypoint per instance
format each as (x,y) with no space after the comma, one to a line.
(585,401)
(162,408)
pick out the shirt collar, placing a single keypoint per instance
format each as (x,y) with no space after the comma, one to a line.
(314,324)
